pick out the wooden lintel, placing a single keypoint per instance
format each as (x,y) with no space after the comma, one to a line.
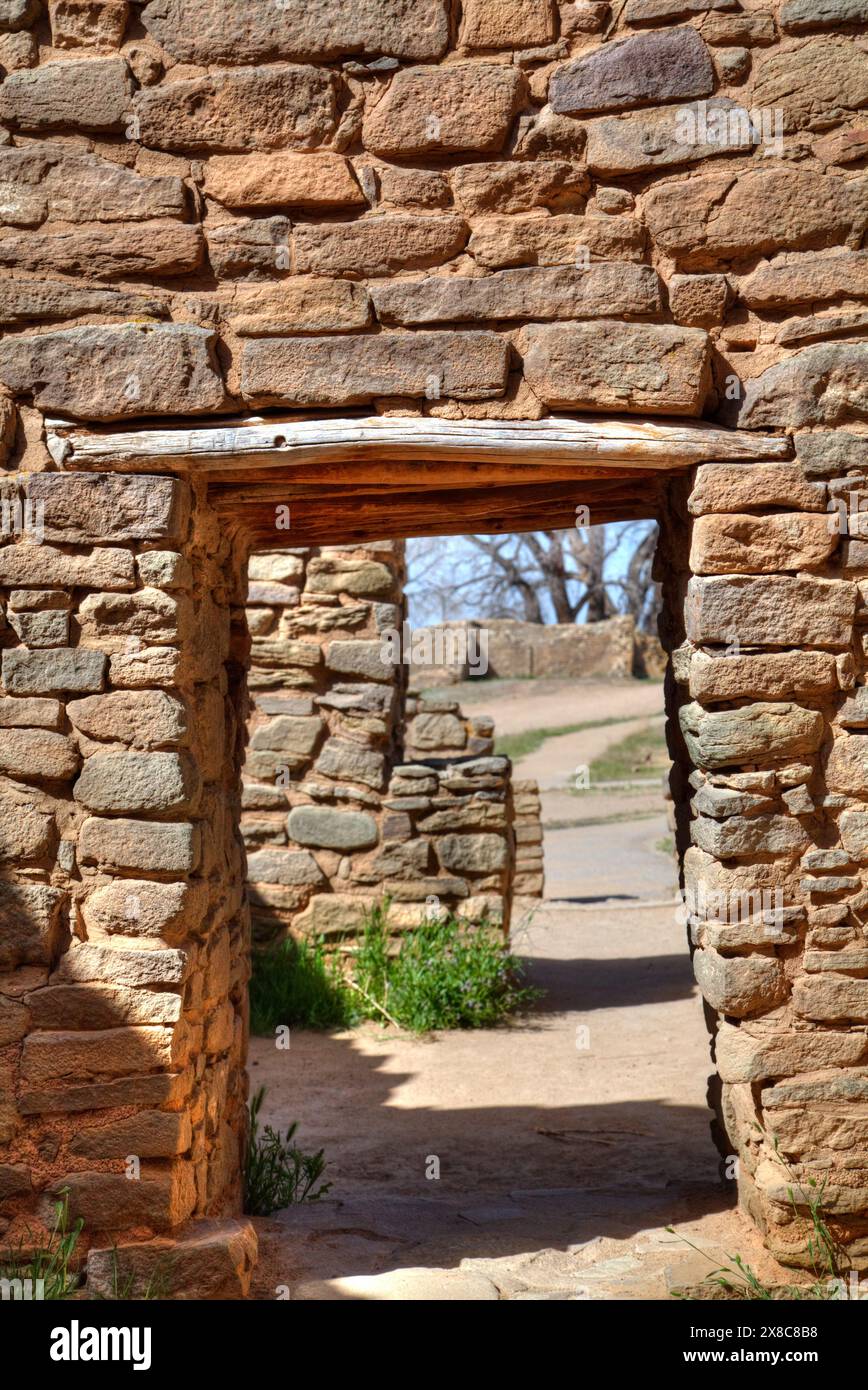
(258,443)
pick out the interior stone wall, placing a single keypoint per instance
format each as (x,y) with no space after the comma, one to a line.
(354,791)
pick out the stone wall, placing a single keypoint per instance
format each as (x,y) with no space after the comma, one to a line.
(495,210)
(771,791)
(353,791)
(123,930)
(515,650)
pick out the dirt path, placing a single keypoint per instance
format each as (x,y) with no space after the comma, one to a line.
(566,1143)
(555,763)
(549,704)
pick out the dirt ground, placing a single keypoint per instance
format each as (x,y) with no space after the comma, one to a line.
(541,1160)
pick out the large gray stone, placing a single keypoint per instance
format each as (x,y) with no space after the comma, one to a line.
(91,94)
(138,782)
(365,659)
(741,837)
(290,867)
(739,985)
(666,66)
(350,762)
(52,672)
(323,827)
(474,854)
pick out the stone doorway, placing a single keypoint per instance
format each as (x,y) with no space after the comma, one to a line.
(126,1009)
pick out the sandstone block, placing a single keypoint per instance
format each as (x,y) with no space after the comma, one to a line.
(724,216)
(365,659)
(352,370)
(30,924)
(512,186)
(667,66)
(281,106)
(245,246)
(740,837)
(611,365)
(271,180)
(49,1056)
(654,139)
(349,762)
(821,385)
(52,672)
(87,23)
(775,610)
(89,93)
(346,575)
(804,278)
(34,301)
(44,566)
(661,11)
(474,854)
(93,1007)
(143,845)
(146,667)
(830,998)
(104,373)
(699,301)
(847,765)
(149,615)
(378,245)
(158,1089)
(86,508)
(138,782)
(803,16)
(766,676)
(230,31)
(563,292)
(150,1134)
(112,965)
(500,242)
(38,753)
(110,1202)
(299,304)
(743,1057)
(739,985)
(139,907)
(820,80)
(430,110)
(741,544)
(751,733)
(506,24)
(158,248)
(324,828)
(289,867)
(296,735)
(142,719)
(733,487)
(30,713)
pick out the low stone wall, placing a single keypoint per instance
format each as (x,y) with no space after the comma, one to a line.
(352,790)
(528,832)
(517,650)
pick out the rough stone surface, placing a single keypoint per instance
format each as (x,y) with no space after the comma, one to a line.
(466,107)
(667,66)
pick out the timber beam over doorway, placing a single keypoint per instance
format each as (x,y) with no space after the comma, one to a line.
(350,480)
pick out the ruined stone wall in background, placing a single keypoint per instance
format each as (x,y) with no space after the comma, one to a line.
(499,209)
(351,790)
(509,649)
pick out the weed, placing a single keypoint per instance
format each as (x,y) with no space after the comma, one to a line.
(445,974)
(50,1266)
(296,983)
(278,1174)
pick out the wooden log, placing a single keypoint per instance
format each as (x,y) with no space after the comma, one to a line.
(258,442)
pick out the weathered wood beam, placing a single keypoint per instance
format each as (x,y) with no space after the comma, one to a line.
(332,519)
(260,442)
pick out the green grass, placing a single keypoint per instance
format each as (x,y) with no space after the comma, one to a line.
(445,974)
(54,1263)
(517,746)
(642,754)
(277,1172)
(296,983)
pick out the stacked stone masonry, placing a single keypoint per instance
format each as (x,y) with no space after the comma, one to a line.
(487,211)
(352,791)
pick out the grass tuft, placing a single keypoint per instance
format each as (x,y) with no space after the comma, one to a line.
(277,1172)
(297,983)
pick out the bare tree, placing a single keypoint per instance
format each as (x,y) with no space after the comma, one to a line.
(541,576)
